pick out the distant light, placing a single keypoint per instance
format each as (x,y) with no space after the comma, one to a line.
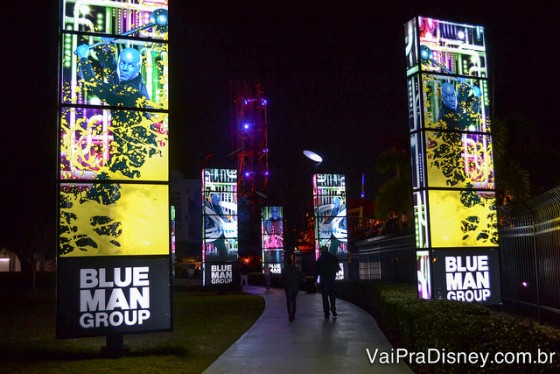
(266,173)
(265,150)
(246,126)
(264,102)
(524,284)
(313,156)
(247,173)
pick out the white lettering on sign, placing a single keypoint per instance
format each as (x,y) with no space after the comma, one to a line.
(467,278)
(123,297)
(221,274)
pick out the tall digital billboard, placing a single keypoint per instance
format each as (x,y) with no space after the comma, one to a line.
(331,227)
(451,150)
(113,259)
(272,234)
(220,240)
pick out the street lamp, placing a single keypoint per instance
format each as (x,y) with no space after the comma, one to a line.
(313,157)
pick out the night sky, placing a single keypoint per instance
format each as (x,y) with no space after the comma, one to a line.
(333,73)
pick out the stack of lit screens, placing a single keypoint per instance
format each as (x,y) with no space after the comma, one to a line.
(113,186)
(272,229)
(331,229)
(220,226)
(452,162)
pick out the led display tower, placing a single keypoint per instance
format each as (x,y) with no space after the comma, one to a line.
(113,257)
(451,150)
(219,230)
(272,229)
(331,228)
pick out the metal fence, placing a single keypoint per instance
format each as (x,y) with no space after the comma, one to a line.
(389,258)
(529,257)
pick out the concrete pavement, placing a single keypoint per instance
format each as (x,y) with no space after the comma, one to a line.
(310,344)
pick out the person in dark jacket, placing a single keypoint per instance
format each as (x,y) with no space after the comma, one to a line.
(292,277)
(326,268)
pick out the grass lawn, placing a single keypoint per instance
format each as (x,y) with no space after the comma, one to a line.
(204,326)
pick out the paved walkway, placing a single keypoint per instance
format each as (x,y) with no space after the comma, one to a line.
(310,344)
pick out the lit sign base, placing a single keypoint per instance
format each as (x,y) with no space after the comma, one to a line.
(471,275)
(113,295)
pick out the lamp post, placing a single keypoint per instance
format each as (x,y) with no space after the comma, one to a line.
(313,157)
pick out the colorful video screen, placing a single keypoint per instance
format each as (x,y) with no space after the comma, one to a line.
(331,226)
(445,47)
(219,215)
(423,275)
(456,160)
(129,74)
(453,103)
(272,234)
(94,147)
(113,219)
(450,48)
(462,218)
(139,18)
(421,219)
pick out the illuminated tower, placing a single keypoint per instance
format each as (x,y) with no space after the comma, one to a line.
(452,161)
(249,137)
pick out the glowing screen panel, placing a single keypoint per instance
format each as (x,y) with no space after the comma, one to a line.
(464,218)
(94,146)
(329,201)
(272,234)
(113,220)
(439,46)
(219,214)
(457,160)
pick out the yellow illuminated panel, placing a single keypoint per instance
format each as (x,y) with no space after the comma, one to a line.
(95,147)
(113,220)
(462,219)
(459,160)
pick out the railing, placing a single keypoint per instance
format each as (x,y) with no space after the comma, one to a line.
(529,257)
(389,257)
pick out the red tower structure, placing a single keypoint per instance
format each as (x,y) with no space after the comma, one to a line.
(249,137)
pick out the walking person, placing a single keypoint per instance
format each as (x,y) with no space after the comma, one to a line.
(326,268)
(244,273)
(266,272)
(292,277)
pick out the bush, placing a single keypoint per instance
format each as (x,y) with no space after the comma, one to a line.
(420,325)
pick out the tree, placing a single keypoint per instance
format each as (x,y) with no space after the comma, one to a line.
(394,198)
(37,238)
(512,179)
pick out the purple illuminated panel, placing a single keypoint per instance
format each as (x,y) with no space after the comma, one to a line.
(272,229)
(452,48)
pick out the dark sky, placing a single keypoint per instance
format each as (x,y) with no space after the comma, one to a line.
(333,73)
